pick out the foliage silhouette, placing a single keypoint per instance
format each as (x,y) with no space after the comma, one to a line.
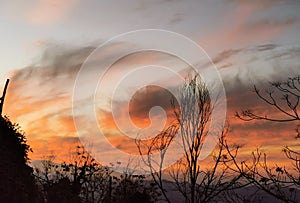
(82,179)
(16,179)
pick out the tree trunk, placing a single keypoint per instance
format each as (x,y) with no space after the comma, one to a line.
(3,96)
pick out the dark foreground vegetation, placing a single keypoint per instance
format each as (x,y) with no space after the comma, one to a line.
(82,179)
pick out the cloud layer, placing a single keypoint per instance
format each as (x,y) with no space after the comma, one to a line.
(40,97)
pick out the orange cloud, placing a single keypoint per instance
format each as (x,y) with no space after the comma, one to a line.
(39,98)
(58,146)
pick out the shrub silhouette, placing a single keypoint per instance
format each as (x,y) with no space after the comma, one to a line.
(16,178)
(62,192)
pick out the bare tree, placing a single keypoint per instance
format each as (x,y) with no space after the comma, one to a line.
(193,118)
(277,181)
(287,103)
(195,181)
(159,144)
(213,179)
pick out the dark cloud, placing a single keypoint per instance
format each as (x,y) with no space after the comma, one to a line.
(55,61)
(58,60)
(272,23)
(225,55)
(266,47)
(177,17)
(148,97)
(141,103)
(227,65)
(288,52)
(143,5)
(266,4)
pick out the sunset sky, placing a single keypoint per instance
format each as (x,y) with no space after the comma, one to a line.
(45,42)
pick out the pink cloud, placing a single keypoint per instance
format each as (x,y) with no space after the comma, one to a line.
(242,29)
(49,11)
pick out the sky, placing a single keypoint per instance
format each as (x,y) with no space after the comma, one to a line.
(45,42)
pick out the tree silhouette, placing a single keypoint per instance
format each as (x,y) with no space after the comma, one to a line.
(16,180)
(287,102)
(82,179)
(192,179)
(128,188)
(277,181)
